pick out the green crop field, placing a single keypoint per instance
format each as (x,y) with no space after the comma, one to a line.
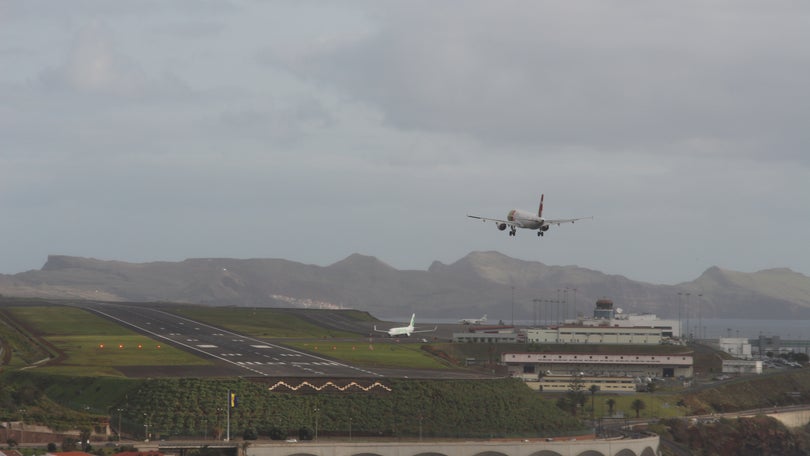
(379,354)
(91,345)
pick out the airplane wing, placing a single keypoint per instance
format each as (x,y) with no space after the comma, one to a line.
(425,330)
(487,219)
(560,221)
(380,330)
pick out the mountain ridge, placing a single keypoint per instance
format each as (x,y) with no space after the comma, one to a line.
(480,282)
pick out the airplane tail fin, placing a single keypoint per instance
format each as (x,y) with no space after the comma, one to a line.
(540,210)
(413,317)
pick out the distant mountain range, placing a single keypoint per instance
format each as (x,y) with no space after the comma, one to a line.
(480,283)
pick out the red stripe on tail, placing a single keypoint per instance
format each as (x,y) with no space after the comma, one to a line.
(540,211)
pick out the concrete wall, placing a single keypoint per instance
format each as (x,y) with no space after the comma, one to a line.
(794,419)
(647,446)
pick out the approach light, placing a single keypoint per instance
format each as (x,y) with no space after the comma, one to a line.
(100,345)
(121,346)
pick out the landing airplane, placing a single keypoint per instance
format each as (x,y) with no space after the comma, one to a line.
(404,330)
(517,218)
(473,321)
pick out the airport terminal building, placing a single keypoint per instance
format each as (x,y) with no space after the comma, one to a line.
(611,372)
(595,335)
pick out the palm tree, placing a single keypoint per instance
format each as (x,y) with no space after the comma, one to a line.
(610,403)
(638,405)
(593,389)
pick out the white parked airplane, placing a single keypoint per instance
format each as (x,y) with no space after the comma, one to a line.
(517,218)
(404,330)
(473,321)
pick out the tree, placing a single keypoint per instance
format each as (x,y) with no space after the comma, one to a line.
(638,405)
(575,395)
(610,403)
(276,433)
(304,433)
(84,438)
(69,444)
(593,389)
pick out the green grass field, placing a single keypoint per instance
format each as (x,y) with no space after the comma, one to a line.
(92,345)
(378,354)
(659,406)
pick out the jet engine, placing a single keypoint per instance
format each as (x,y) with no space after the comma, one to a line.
(502,226)
(544,228)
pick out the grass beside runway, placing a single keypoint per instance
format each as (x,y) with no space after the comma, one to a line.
(90,345)
(380,353)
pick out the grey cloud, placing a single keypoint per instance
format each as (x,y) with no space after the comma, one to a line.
(278,122)
(190,29)
(95,66)
(608,74)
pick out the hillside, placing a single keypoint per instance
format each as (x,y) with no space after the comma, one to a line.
(481,282)
(183,407)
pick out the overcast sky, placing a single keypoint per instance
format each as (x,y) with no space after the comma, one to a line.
(163,130)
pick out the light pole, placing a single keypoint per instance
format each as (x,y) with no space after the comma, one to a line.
(558,306)
(550,316)
(218,432)
(680,317)
(22,426)
(120,411)
(565,304)
(688,329)
(576,314)
(146,427)
(316,423)
(536,311)
(513,306)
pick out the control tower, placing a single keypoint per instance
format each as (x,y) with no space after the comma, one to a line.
(604,310)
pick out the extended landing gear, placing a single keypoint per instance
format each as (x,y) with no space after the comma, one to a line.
(513,232)
(540,233)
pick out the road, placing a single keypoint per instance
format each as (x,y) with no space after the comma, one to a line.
(252,356)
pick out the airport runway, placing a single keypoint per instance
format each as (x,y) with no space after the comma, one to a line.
(252,356)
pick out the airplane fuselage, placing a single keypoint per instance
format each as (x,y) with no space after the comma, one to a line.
(473,321)
(401,331)
(525,219)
